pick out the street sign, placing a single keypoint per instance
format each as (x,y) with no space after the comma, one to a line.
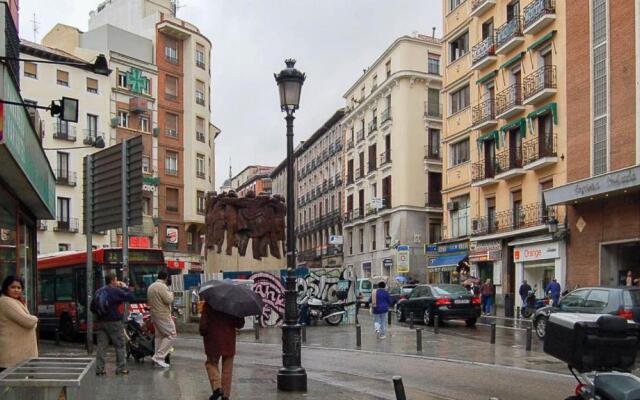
(403,262)
(335,239)
(387,263)
(377,203)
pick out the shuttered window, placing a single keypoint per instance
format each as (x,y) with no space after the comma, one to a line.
(31,70)
(172,199)
(62,78)
(92,85)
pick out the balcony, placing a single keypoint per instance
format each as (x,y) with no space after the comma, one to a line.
(527,216)
(432,152)
(433,199)
(372,126)
(509,35)
(350,179)
(90,136)
(478,7)
(509,164)
(540,152)
(483,115)
(64,131)
(509,102)
(540,85)
(538,15)
(359,172)
(138,105)
(41,225)
(483,173)
(201,175)
(200,98)
(385,115)
(358,214)
(483,53)
(70,225)
(200,137)
(349,144)
(385,158)
(433,110)
(65,177)
(360,135)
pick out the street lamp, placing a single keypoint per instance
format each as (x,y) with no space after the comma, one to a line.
(291,377)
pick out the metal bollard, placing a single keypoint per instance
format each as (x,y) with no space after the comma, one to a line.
(528,342)
(256,329)
(493,332)
(436,324)
(304,334)
(517,312)
(389,318)
(410,320)
(358,336)
(419,340)
(398,387)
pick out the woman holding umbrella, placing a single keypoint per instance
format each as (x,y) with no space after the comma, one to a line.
(226,306)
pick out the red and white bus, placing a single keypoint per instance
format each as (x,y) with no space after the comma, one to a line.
(62,284)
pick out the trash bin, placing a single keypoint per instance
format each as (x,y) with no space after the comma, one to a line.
(509,304)
(45,378)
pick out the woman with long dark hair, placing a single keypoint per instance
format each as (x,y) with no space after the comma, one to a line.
(18,341)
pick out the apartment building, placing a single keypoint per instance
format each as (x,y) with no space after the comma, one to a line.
(319,183)
(392,184)
(255,178)
(66,143)
(602,193)
(504,143)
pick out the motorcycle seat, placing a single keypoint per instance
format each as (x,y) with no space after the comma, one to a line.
(617,386)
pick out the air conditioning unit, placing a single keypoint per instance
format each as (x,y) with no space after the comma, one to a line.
(452,206)
(155,132)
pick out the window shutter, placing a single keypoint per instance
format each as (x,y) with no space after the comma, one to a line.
(62,76)
(30,69)
(92,84)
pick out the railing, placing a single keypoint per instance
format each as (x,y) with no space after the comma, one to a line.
(348,216)
(65,177)
(64,132)
(69,225)
(358,213)
(508,160)
(170,171)
(350,143)
(483,112)
(90,136)
(360,135)
(171,59)
(372,126)
(509,98)
(200,64)
(539,147)
(483,49)
(42,225)
(542,78)
(360,171)
(527,216)
(372,165)
(433,199)
(170,96)
(200,136)
(200,98)
(200,211)
(385,157)
(508,31)
(201,174)
(169,246)
(386,202)
(483,169)
(536,10)
(350,179)
(386,115)
(432,152)
(433,109)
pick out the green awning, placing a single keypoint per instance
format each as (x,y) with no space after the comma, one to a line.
(551,107)
(519,123)
(512,61)
(488,136)
(487,77)
(541,41)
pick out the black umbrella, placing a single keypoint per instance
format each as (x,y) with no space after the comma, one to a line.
(230,298)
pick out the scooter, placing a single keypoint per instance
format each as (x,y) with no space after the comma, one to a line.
(140,334)
(610,385)
(315,310)
(532,304)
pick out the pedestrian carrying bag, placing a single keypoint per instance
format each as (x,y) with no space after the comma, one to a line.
(100,303)
(373,301)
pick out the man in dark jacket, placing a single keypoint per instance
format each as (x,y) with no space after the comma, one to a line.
(109,323)
(380,303)
(524,290)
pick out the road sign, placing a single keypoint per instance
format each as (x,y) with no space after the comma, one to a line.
(387,263)
(377,203)
(335,239)
(403,255)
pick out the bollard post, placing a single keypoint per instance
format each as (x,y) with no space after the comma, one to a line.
(419,340)
(518,312)
(493,332)
(528,342)
(410,320)
(389,318)
(57,335)
(256,329)
(398,388)
(358,336)
(436,324)
(304,334)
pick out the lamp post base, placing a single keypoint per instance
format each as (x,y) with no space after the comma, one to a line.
(292,379)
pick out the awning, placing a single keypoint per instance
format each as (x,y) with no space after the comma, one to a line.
(446,261)
(488,136)
(487,77)
(553,107)
(541,41)
(520,123)
(512,61)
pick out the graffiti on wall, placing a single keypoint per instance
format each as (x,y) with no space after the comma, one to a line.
(323,284)
(270,289)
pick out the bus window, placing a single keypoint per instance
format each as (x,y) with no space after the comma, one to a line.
(47,288)
(141,277)
(64,287)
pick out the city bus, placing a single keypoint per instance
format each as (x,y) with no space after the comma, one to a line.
(62,285)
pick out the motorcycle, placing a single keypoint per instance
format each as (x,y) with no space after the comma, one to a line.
(140,335)
(610,385)
(315,310)
(531,304)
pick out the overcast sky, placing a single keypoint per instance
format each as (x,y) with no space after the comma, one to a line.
(333,40)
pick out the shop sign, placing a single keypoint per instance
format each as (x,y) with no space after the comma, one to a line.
(536,252)
(387,263)
(174,264)
(403,262)
(459,247)
(150,184)
(172,235)
(490,250)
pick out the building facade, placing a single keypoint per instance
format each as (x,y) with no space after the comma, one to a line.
(254,178)
(504,143)
(602,194)
(392,128)
(319,185)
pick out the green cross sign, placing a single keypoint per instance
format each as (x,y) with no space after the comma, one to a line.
(137,82)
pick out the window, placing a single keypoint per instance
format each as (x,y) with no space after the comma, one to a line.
(350,236)
(516,209)
(171,125)
(64,209)
(386,192)
(200,92)
(144,124)
(372,158)
(491,214)
(146,164)
(387,233)
(513,10)
(171,50)
(434,143)
(123,119)
(574,299)
(374,82)
(122,80)
(459,100)
(460,152)
(172,199)
(92,125)
(171,163)
(92,85)
(200,136)
(200,56)
(361,239)
(62,78)
(62,247)
(597,300)
(459,216)
(200,202)
(362,91)
(31,70)
(200,166)
(433,64)
(459,47)
(435,229)
(146,206)
(453,4)
(600,87)
(62,171)
(373,237)
(171,87)
(387,67)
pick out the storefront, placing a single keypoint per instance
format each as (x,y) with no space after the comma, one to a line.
(444,261)
(486,260)
(539,263)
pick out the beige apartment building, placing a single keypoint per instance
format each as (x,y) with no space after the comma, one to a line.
(393,172)
(504,143)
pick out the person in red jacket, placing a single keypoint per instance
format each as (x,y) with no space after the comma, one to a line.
(218,331)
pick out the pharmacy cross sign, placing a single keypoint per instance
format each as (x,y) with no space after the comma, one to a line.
(137,82)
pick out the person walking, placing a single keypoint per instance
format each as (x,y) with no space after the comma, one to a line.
(380,304)
(218,331)
(486,297)
(524,290)
(107,305)
(160,299)
(18,341)
(194,301)
(554,290)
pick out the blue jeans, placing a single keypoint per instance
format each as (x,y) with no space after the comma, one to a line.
(380,323)
(487,302)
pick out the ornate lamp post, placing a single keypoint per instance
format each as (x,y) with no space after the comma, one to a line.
(291,377)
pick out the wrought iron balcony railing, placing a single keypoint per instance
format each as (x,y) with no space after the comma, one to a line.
(526,216)
(360,135)
(64,131)
(432,152)
(509,30)
(385,157)
(536,10)
(508,98)
(483,112)
(483,50)
(386,115)
(483,169)
(433,109)
(433,199)
(539,147)
(508,160)
(66,177)
(539,80)
(70,225)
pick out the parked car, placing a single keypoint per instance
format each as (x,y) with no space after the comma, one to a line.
(623,301)
(363,291)
(447,301)
(399,293)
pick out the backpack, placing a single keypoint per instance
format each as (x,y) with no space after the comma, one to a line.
(100,303)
